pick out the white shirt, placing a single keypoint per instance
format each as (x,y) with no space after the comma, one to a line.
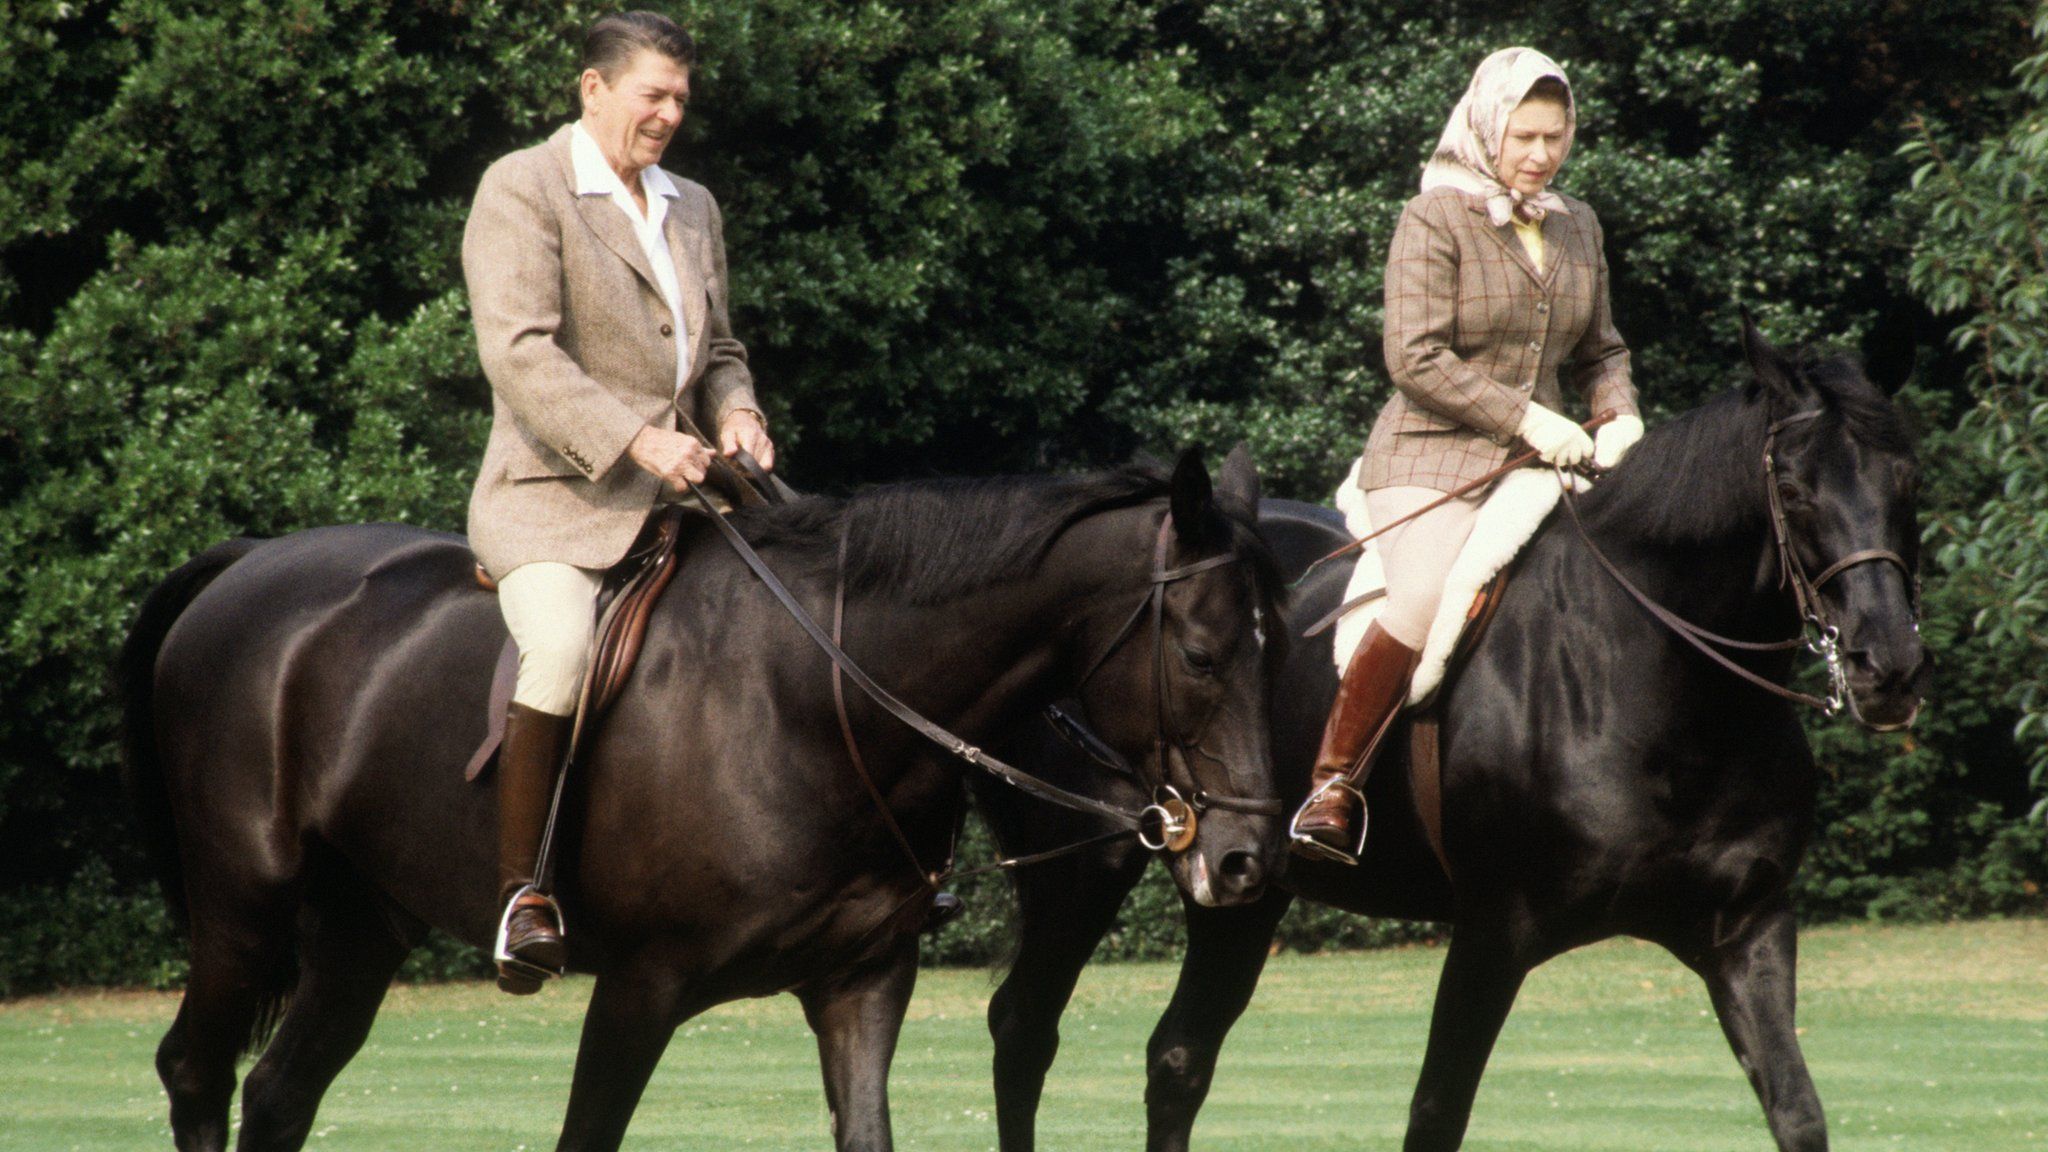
(594,177)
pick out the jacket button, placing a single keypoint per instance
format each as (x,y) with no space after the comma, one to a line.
(1542,307)
(1535,345)
(667,330)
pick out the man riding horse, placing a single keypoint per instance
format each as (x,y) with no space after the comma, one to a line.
(597,283)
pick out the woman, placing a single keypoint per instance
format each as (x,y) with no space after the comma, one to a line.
(1494,282)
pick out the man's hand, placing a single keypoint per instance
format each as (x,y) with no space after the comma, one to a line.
(743,429)
(677,457)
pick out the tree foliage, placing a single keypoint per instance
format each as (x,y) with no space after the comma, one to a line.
(1983,256)
(973,236)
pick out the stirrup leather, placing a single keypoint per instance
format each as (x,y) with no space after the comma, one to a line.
(1315,849)
(510,965)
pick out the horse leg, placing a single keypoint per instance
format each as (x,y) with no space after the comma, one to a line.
(348,953)
(1752,980)
(1066,909)
(857,1017)
(1481,977)
(634,1010)
(1227,949)
(240,969)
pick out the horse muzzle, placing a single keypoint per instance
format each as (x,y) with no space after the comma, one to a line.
(1228,862)
(1886,696)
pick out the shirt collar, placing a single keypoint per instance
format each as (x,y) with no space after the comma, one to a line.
(594,177)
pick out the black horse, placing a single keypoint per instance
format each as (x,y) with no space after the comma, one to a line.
(1600,776)
(299,712)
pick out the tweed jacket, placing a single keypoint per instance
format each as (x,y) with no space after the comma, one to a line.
(580,349)
(1474,333)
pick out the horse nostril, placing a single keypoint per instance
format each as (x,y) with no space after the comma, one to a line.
(1241,870)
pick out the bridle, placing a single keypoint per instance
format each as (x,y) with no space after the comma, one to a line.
(1818,634)
(1171,818)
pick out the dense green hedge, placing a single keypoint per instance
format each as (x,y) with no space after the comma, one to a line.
(966,236)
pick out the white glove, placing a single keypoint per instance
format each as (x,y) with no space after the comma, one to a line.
(1560,442)
(1615,438)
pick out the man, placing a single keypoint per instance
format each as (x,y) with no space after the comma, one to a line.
(598,289)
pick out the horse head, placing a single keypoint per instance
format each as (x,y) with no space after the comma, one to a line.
(1843,485)
(1189,676)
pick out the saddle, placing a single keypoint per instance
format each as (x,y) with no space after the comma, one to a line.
(625,600)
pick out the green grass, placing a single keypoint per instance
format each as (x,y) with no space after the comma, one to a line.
(1933,1039)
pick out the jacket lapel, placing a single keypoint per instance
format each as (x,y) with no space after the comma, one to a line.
(1504,235)
(1558,239)
(685,235)
(601,216)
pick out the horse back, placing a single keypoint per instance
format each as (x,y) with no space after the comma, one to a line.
(325,689)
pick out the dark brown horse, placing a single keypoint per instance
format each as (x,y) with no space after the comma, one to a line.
(299,712)
(1600,776)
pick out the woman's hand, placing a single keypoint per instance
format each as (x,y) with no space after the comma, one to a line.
(743,428)
(1614,439)
(1560,442)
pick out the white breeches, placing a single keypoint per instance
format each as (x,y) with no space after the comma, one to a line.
(550,610)
(1417,555)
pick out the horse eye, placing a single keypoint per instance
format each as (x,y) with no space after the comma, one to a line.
(1793,496)
(1198,662)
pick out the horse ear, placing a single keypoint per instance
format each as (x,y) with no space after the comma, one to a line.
(1192,497)
(1888,351)
(1768,364)
(1238,479)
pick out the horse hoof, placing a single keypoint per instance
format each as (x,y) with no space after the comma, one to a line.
(945,908)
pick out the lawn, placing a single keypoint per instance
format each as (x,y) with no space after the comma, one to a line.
(1933,1039)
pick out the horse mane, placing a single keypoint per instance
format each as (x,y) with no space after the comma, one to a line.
(1698,477)
(926,542)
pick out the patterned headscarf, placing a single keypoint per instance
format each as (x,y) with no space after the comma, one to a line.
(1471,143)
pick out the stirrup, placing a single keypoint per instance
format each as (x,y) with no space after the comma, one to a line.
(1315,849)
(514,967)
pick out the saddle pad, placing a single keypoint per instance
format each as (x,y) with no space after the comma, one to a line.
(1513,511)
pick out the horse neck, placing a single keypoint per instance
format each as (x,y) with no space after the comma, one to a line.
(982,658)
(1699,541)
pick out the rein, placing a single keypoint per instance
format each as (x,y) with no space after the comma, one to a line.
(1817,634)
(1168,823)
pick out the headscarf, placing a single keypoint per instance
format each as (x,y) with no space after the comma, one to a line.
(1471,143)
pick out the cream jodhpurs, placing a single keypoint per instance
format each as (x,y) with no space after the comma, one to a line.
(1418,555)
(551,611)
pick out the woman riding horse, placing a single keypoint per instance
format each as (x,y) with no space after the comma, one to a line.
(597,283)
(1493,283)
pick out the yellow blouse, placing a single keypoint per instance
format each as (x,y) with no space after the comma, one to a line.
(1531,232)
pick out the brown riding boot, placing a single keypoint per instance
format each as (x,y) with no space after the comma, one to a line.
(1375,685)
(530,947)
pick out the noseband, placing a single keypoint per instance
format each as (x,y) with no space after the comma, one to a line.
(1818,634)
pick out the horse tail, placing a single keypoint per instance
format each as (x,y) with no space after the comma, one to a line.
(149,796)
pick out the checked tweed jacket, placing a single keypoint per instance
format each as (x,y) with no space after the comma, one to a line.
(1474,332)
(580,349)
